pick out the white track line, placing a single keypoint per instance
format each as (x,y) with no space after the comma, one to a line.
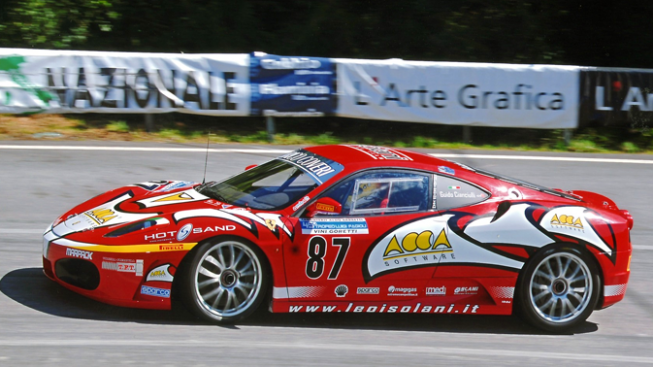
(544,158)
(21,231)
(142,149)
(282,151)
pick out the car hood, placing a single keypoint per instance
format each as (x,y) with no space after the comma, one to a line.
(131,204)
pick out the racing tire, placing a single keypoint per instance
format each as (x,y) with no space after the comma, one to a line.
(225,281)
(559,288)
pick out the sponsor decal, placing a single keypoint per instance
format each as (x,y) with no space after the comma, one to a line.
(381,153)
(568,221)
(160,236)
(367,290)
(184,232)
(160,274)
(399,291)
(572,221)
(436,291)
(86,255)
(417,244)
(334,226)
(387,308)
(456,194)
(171,247)
(431,242)
(325,208)
(156,292)
(225,228)
(319,167)
(101,215)
(300,203)
(341,290)
(123,265)
(465,290)
(271,224)
(447,170)
(411,245)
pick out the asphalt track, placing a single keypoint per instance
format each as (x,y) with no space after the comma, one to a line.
(43,324)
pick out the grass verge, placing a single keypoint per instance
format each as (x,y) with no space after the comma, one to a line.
(318,131)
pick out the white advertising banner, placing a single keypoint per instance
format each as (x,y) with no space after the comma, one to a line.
(34,81)
(499,95)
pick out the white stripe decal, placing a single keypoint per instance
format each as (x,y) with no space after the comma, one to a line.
(280,293)
(502,292)
(296,292)
(142,149)
(20,231)
(614,290)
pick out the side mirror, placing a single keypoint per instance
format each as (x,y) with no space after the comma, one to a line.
(250,167)
(324,206)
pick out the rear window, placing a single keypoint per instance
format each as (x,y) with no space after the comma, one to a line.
(452,193)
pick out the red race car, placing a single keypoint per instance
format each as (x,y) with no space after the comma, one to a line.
(356,228)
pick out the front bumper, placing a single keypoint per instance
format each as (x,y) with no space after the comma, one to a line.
(138,276)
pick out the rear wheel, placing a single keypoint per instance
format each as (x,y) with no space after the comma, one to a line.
(226,280)
(559,288)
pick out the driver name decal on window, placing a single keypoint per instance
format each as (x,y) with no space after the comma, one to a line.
(322,169)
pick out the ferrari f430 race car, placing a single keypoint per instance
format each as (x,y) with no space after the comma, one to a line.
(355,228)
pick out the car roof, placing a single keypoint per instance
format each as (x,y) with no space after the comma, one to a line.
(373,155)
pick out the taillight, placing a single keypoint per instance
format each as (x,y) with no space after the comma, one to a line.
(629,218)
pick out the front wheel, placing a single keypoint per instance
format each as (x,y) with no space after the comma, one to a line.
(559,288)
(225,281)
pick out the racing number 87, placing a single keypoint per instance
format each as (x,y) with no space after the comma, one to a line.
(317,249)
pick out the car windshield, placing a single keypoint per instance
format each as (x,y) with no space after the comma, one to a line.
(270,186)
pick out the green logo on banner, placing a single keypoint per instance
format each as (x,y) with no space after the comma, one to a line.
(11,65)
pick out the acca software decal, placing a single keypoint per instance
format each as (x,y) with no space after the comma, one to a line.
(292,86)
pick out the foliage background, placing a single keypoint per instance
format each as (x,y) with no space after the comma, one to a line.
(571,32)
(574,32)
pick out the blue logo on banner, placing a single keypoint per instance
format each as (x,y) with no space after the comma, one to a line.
(292,85)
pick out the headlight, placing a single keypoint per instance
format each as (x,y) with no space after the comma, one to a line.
(46,246)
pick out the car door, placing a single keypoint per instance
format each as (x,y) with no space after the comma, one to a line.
(328,256)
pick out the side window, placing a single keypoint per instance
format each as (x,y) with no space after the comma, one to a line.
(452,193)
(384,192)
